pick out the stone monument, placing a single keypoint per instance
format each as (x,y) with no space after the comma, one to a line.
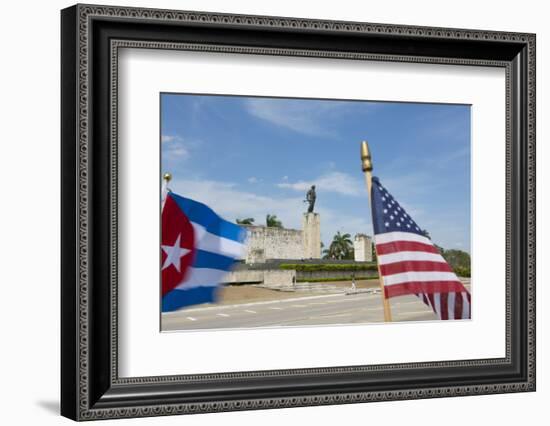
(311,228)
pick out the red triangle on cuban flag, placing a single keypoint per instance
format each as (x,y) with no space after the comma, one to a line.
(177,246)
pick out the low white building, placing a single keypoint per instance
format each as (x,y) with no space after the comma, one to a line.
(362,248)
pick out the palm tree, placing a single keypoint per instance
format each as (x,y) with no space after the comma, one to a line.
(246,221)
(271,221)
(340,248)
(327,254)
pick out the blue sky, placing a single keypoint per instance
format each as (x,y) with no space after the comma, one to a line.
(247,157)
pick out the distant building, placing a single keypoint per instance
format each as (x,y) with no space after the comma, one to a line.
(362,248)
(272,243)
(264,243)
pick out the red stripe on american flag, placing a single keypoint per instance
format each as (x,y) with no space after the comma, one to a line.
(443,299)
(458,305)
(426,287)
(414,266)
(397,246)
(424,299)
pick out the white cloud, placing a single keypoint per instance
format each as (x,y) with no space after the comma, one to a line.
(167,138)
(173,148)
(177,151)
(231,203)
(302,116)
(411,187)
(253,179)
(447,160)
(337,182)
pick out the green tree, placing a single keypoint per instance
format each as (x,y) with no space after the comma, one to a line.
(340,248)
(271,221)
(457,258)
(246,221)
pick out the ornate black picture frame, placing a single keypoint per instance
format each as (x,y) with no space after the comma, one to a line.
(91,37)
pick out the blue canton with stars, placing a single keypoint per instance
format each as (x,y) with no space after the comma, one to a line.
(387,214)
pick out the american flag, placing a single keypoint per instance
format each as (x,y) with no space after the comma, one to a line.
(410,263)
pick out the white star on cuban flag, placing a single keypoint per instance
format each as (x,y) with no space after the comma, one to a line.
(174,254)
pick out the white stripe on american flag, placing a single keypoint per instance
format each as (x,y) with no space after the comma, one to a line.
(465,305)
(451,305)
(409,255)
(437,303)
(419,276)
(390,237)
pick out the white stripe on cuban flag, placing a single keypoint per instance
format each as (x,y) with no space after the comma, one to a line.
(410,263)
(202,277)
(216,244)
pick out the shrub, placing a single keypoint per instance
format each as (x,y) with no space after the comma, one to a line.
(314,267)
(328,280)
(462,271)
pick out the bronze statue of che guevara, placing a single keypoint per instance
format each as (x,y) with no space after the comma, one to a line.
(311,196)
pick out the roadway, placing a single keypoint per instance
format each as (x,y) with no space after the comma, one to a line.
(329,309)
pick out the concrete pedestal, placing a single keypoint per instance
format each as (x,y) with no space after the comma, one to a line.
(311,237)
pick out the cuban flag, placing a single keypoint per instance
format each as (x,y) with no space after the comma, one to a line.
(198,248)
(410,263)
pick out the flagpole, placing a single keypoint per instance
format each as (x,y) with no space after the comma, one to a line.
(366,163)
(166,178)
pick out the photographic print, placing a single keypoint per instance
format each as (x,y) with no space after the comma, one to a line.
(277,212)
(316,185)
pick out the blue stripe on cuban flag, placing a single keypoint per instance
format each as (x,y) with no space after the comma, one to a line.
(218,245)
(204,216)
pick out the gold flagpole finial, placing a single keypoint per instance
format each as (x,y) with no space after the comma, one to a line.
(366,160)
(167,177)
